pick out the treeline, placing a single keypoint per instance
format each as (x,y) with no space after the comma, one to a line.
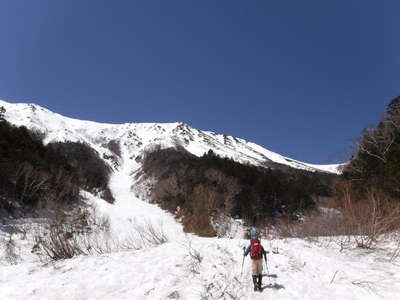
(377,162)
(198,188)
(33,175)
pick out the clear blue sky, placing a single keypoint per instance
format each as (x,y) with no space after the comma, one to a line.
(302,78)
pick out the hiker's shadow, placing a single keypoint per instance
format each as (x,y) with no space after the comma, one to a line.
(270,275)
(275,286)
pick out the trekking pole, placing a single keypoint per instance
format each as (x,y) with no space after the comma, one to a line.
(266,266)
(241,272)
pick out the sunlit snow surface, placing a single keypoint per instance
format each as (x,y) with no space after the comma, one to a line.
(301,270)
(140,136)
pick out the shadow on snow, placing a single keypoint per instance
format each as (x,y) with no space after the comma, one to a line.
(270,275)
(274,286)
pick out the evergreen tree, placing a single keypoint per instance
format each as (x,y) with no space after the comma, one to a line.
(2,113)
(393,108)
(377,162)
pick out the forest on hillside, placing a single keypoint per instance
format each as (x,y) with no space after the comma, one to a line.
(200,188)
(34,175)
(365,198)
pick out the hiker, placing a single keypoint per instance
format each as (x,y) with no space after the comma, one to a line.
(257,252)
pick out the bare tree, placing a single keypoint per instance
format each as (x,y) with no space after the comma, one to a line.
(10,251)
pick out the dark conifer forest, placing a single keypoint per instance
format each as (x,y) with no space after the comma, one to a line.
(34,175)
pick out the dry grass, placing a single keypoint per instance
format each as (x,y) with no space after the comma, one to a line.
(369,220)
(144,235)
(223,287)
(194,258)
(65,237)
(350,223)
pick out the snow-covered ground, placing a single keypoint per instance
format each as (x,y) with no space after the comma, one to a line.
(300,271)
(190,267)
(186,266)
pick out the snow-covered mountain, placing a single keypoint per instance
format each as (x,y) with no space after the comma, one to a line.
(135,138)
(184,266)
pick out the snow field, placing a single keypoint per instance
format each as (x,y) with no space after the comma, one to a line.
(303,271)
(186,266)
(190,267)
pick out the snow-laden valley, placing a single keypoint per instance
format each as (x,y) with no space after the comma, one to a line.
(185,266)
(190,267)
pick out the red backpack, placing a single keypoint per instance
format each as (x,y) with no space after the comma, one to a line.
(256,249)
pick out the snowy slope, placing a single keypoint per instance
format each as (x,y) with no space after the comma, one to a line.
(301,270)
(138,137)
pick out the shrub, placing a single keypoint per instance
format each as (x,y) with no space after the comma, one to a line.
(10,250)
(376,162)
(85,233)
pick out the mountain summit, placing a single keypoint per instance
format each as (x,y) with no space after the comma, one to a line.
(132,139)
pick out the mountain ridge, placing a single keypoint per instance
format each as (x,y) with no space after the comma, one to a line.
(139,137)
